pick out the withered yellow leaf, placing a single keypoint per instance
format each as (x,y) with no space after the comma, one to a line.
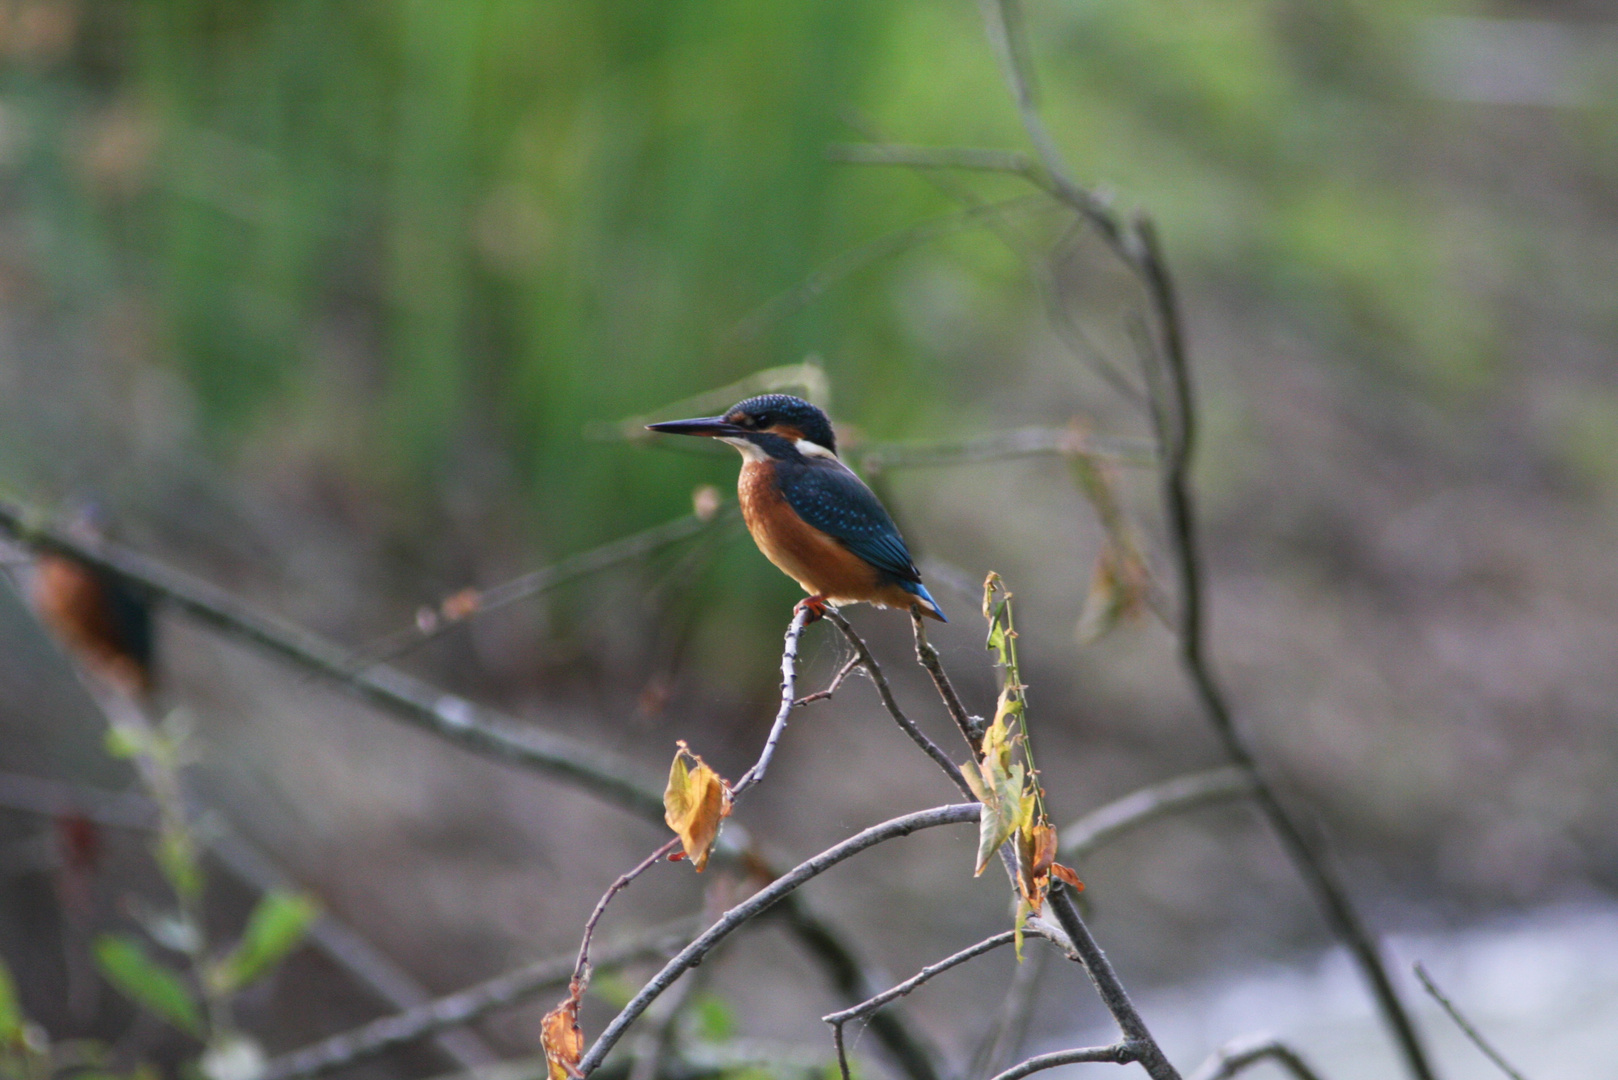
(560,1037)
(694,804)
(1120,585)
(1036,854)
(1067,875)
(1002,810)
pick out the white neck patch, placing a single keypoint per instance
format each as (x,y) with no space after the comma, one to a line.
(813,449)
(749,451)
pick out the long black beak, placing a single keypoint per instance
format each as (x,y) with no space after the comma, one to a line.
(707,425)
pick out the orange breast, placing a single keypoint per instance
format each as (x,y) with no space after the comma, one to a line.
(71,601)
(814,560)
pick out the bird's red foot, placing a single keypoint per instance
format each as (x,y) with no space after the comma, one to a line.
(814,605)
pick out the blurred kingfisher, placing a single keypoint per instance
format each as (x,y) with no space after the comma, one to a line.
(104,623)
(808,512)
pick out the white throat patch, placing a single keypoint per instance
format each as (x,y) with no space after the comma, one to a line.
(749,451)
(813,449)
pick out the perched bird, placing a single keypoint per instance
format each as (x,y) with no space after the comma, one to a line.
(100,620)
(808,512)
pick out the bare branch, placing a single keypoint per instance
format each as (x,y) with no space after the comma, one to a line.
(1175,418)
(998,23)
(581,966)
(1113,995)
(1465,1025)
(760,901)
(789,692)
(863,654)
(865,1008)
(837,681)
(1028,442)
(971,726)
(1105,824)
(937,157)
(851,262)
(465,1006)
(850,978)
(1239,1054)
(1010,1028)
(1119,1053)
(464,606)
(1040,270)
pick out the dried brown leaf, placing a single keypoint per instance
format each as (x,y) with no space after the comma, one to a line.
(459,605)
(694,804)
(1067,875)
(1120,585)
(561,1038)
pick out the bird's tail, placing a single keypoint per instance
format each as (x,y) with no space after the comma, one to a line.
(928,605)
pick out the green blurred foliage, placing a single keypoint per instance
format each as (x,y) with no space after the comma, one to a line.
(423,231)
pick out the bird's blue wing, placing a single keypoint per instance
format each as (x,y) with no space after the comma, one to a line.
(832,499)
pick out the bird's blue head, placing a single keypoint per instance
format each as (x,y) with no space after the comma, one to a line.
(777,424)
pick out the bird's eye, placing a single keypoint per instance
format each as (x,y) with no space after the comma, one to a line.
(762,420)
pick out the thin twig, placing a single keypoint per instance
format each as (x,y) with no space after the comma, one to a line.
(934,157)
(1055,177)
(865,1008)
(760,901)
(1465,1025)
(1007,1034)
(1119,1053)
(837,681)
(1105,824)
(1027,442)
(971,726)
(789,685)
(465,1006)
(876,1002)
(850,262)
(863,654)
(1239,1054)
(464,606)
(789,691)
(581,967)
(1176,420)
(1109,986)
(850,978)
(1041,271)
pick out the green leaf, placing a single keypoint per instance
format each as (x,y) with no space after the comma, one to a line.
(1001,812)
(715,1019)
(177,856)
(124,741)
(123,960)
(275,928)
(11,1017)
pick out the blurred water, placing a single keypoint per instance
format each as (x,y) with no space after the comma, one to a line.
(1542,987)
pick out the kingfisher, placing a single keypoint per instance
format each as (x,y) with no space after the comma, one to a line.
(808,512)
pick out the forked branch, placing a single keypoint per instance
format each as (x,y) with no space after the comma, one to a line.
(760,902)
(1240,1054)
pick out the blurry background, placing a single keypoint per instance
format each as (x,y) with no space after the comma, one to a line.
(337,305)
